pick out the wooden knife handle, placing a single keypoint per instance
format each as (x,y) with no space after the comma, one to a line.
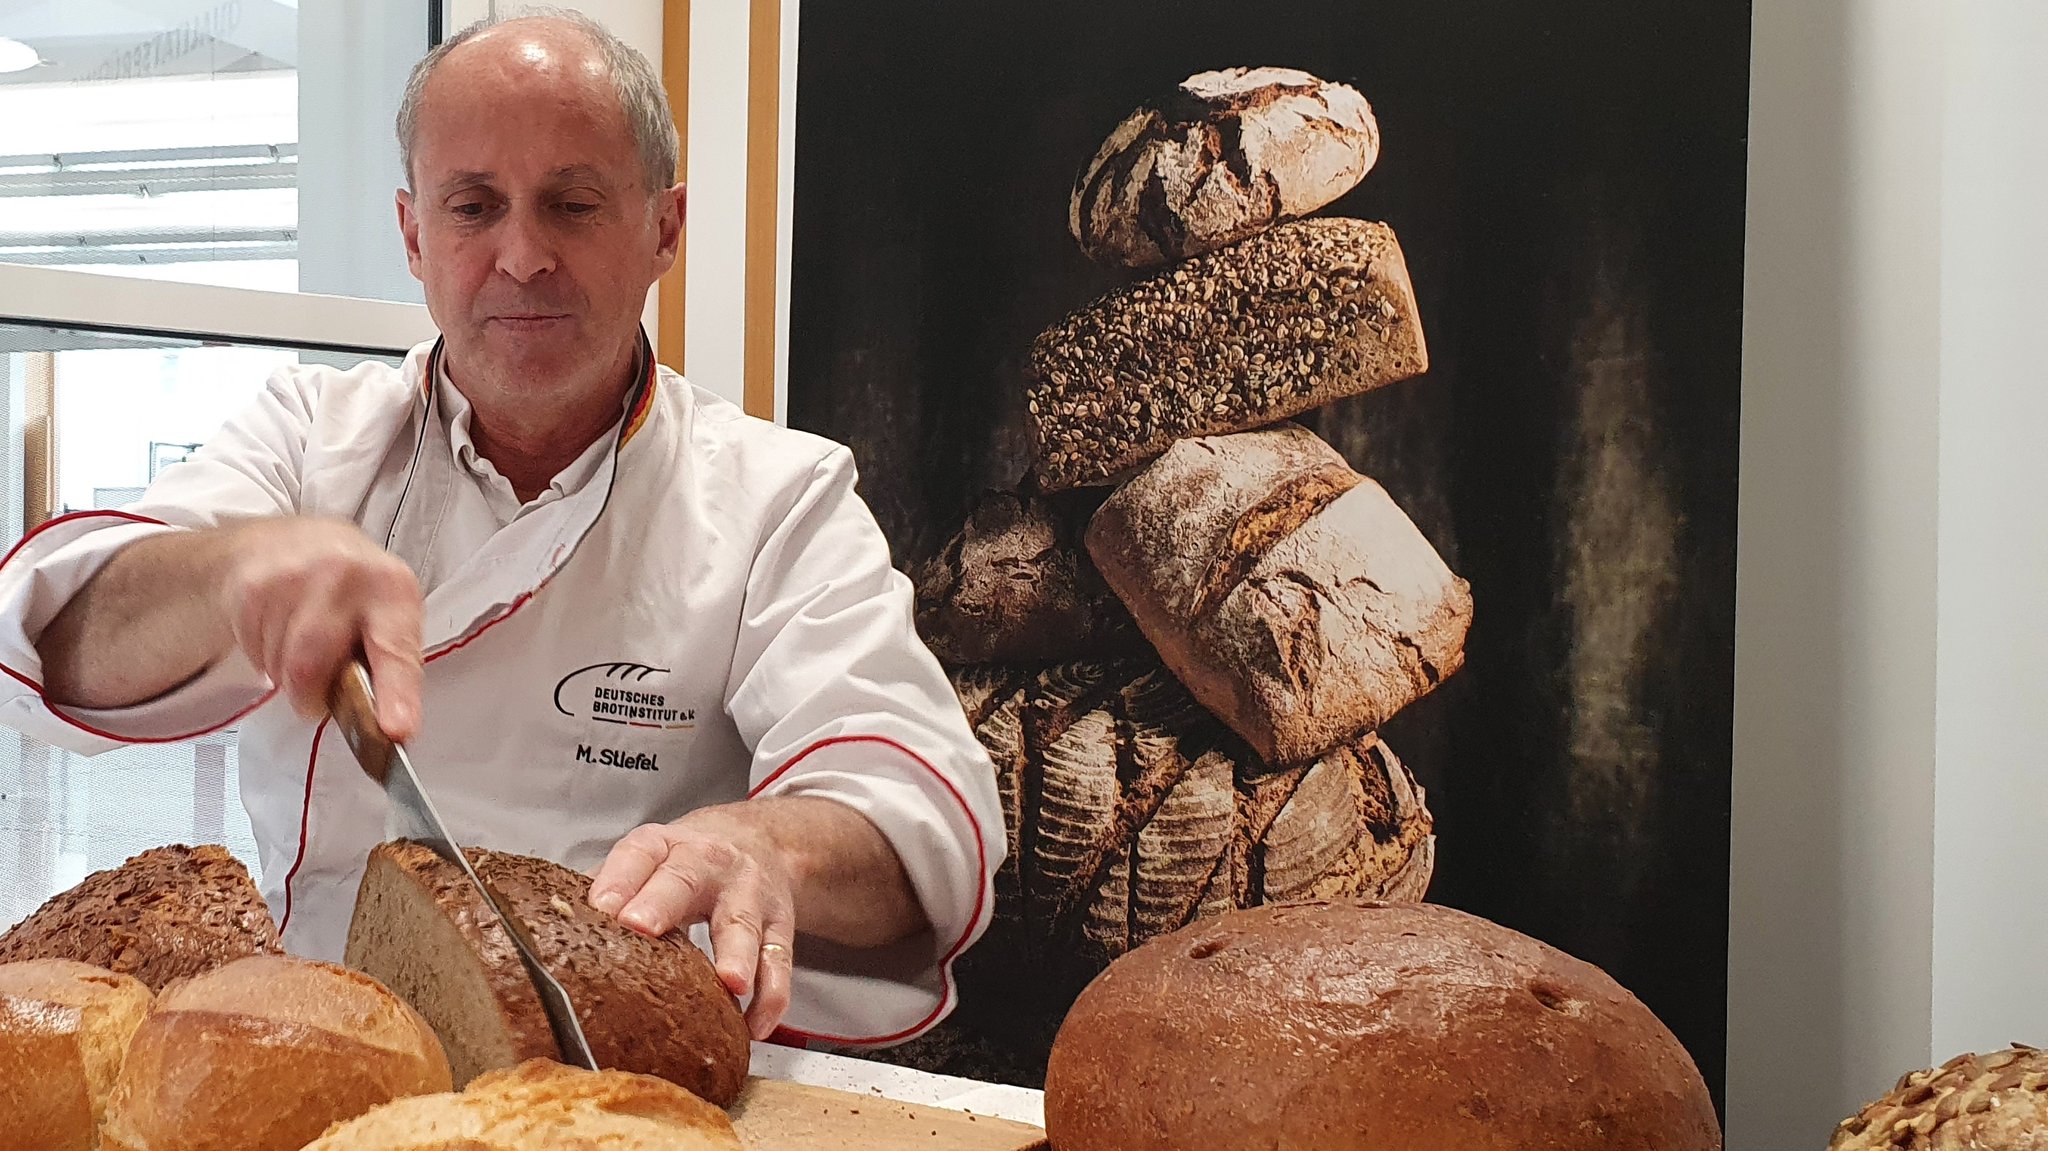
(354,708)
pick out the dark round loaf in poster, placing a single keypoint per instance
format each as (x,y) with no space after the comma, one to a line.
(1332,1026)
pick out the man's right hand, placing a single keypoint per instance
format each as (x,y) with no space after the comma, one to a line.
(302,596)
(299,596)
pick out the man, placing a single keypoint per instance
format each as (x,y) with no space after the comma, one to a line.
(590,596)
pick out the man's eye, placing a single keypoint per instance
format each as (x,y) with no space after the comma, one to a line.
(471,209)
(578,207)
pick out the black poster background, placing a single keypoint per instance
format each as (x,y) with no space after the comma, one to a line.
(1566,179)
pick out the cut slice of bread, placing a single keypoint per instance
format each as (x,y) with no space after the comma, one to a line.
(653,1006)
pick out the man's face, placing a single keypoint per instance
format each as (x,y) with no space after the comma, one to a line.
(530,222)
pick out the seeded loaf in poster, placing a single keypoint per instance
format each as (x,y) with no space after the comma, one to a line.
(1014,585)
(64,1030)
(1288,592)
(653,1006)
(542,1104)
(1224,156)
(1286,321)
(1995,1102)
(264,1054)
(1132,811)
(1359,1025)
(168,913)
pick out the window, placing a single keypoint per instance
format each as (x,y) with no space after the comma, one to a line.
(163,139)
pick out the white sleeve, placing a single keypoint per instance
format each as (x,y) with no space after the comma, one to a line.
(839,698)
(249,468)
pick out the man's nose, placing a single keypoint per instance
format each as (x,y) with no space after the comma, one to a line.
(524,249)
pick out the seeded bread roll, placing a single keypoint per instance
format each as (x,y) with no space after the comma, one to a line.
(653,1006)
(1996,1102)
(541,1104)
(168,913)
(1014,586)
(1357,1025)
(1286,321)
(264,1054)
(1224,156)
(1288,592)
(64,1030)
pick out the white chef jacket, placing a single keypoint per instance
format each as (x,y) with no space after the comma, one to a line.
(711,615)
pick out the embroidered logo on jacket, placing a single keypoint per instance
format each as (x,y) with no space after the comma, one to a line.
(630,694)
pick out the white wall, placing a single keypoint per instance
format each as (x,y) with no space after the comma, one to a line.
(1889,884)
(1831,895)
(1991,718)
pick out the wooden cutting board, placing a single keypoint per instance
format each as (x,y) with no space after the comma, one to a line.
(775,1115)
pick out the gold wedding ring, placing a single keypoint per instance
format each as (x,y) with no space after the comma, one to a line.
(774,947)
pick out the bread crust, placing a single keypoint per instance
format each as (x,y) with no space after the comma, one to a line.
(166,914)
(1356,1025)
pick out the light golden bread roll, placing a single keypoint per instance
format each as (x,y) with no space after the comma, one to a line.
(264,1054)
(64,1027)
(541,1103)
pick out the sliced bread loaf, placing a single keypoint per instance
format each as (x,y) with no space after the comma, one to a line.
(653,1006)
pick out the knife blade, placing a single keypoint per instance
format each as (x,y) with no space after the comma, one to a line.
(412,816)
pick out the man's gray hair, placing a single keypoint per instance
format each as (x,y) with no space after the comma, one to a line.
(638,86)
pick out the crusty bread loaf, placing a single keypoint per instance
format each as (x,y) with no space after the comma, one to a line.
(1286,321)
(542,1104)
(263,1055)
(1995,1102)
(1353,1025)
(167,913)
(1289,593)
(653,1006)
(1130,811)
(1014,586)
(64,1029)
(1224,156)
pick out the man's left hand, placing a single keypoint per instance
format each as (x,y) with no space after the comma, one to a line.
(713,865)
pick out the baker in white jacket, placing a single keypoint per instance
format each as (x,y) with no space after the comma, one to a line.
(623,625)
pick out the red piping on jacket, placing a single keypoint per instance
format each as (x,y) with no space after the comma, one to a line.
(313,757)
(980,891)
(32,685)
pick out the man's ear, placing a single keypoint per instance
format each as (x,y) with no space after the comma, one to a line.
(669,206)
(409,227)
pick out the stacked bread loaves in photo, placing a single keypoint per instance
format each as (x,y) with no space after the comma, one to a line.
(1180,636)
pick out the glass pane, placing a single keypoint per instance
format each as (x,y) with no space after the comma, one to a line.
(94,415)
(162,138)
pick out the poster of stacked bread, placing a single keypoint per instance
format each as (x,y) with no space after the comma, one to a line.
(1310,435)
(1179,637)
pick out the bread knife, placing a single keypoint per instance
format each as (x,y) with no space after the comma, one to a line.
(412,816)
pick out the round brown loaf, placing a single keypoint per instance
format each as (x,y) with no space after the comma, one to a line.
(263,1055)
(64,1028)
(1224,156)
(168,913)
(1014,586)
(1364,1025)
